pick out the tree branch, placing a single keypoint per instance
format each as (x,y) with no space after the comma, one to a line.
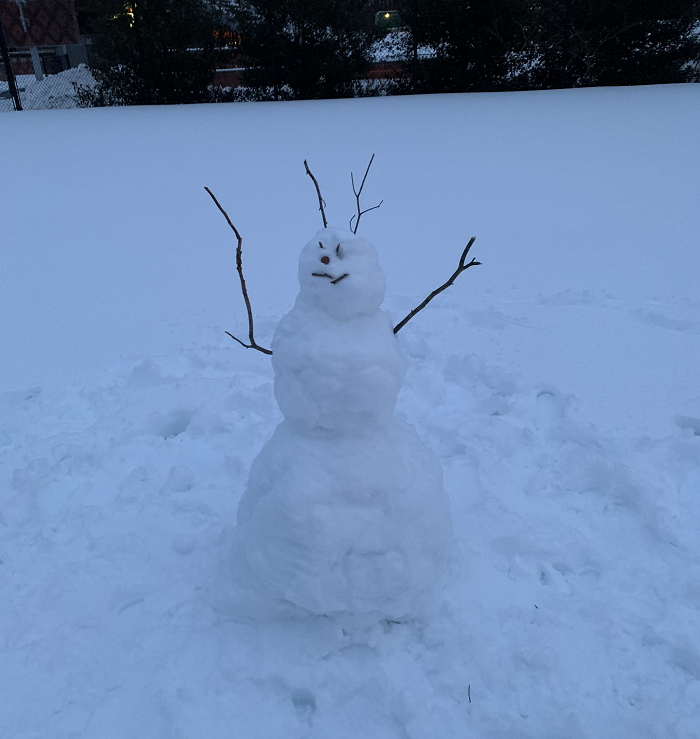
(321,201)
(360,212)
(239,266)
(462,266)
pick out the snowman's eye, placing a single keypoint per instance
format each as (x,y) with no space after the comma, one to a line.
(325,260)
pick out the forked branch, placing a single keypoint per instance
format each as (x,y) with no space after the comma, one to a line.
(462,266)
(239,266)
(361,212)
(321,201)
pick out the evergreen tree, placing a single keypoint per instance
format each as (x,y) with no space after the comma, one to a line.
(304,49)
(614,42)
(152,52)
(528,44)
(474,42)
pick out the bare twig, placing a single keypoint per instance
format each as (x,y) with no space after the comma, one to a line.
(360,212)
(469,692)
(239,266)
(330,277)
(321,201)
(455,275)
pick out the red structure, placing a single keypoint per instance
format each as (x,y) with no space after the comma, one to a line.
(42,35)
(30,23)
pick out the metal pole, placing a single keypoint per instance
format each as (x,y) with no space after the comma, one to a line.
(8,70)
(36,63)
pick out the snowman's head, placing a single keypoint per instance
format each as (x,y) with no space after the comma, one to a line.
(340,273)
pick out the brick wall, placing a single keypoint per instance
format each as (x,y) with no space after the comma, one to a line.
(47,22)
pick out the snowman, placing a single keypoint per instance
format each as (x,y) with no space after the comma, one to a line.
(344,513)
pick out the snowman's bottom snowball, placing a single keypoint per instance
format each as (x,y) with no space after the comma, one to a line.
(347,525)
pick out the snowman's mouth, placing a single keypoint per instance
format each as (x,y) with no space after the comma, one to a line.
(334,280)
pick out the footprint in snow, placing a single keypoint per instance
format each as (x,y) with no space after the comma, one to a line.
(304,702)
(673,324)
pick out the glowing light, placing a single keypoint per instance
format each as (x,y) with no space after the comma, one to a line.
(387,15)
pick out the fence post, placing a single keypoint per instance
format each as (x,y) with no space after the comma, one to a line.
(36,63)
(8,70)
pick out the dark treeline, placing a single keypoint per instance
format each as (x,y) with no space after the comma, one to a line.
(153,52)
(525,45)
(167,51)
(304,49)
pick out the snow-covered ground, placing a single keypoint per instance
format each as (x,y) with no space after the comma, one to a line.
(54,91)
(558,384)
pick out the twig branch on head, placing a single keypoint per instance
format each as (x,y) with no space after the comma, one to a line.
(361,212)
(321,201)
(462,266)
(239,266)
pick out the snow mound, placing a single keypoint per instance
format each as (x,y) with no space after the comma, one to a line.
(55,90)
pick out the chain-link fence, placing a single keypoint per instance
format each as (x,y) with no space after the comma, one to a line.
(44,55)
(46,52)
(186,51)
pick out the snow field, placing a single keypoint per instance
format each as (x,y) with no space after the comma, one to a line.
(573,612)
(557,384)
